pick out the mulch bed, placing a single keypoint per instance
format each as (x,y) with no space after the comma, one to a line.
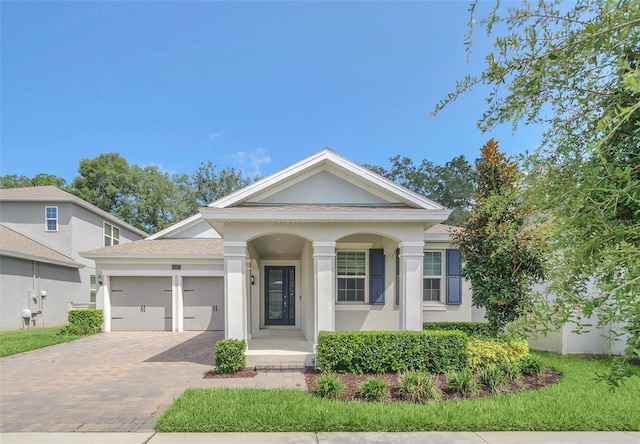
(244,373)
(351,382)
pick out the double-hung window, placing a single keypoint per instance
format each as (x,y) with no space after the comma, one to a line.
(432,276)
(51,218)
(111,235)
(352,276)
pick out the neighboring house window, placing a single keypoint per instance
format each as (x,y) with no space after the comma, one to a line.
(51,218)
(92,287)
(432,276)
(111,235)
(352,276)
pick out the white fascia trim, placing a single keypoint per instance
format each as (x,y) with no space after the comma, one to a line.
(177,227)
(151,256)
(30,257)
(162,273)
(256,214)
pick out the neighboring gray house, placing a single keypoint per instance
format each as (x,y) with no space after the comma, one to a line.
(42,229)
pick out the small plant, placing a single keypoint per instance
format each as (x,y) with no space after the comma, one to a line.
(83,323)
(510,371)
(492,378)
(374,389)
(530,365)
(463,382)
(229,355)
(329,386)
(419,387)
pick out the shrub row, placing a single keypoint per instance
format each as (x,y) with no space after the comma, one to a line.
(472,329)
(83,322)
(383,351)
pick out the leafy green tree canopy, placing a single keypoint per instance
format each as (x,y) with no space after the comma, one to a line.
(503,259)
(573,67)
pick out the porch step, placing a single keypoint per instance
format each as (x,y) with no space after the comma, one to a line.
(280,366)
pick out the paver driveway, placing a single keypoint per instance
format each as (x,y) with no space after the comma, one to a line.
(117,381)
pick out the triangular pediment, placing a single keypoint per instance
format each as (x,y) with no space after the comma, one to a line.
(325,178)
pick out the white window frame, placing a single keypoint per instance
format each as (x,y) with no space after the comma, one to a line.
(365,276)
(433,276)
(47,218)
(112,239)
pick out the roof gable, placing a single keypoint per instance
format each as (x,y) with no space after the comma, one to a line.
(362,186)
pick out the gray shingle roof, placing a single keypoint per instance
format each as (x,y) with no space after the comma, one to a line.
(201,248)
(18,245)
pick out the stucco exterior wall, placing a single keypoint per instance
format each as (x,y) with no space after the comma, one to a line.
(21,280)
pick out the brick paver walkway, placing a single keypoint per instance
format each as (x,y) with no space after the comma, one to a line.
(118,381)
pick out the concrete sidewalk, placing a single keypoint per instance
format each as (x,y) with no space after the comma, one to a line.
(327,438)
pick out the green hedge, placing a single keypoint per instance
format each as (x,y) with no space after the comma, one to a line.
(229,355)
(83,322)
(472,329)
(383,351)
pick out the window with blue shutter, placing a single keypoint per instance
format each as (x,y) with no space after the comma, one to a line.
(376,276)
(454,280)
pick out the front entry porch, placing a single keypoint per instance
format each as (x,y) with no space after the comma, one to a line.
(280,347)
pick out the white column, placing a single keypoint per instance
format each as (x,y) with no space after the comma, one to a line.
(411,254)
(235,290)
(324,259)
(178,304)
(106,308)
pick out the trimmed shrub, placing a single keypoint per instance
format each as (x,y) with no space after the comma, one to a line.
(492,378)
(496,352)
(229,355)
(383,351)
(419,387)
(530,365)
(472,329)
(462,382)
(83,322)
(374,389)
(328,386)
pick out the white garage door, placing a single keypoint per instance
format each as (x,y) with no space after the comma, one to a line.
(203,299)
(140,303)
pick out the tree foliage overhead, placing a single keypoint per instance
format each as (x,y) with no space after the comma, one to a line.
(573,67)
(145,197)
(450,184)
(502,258)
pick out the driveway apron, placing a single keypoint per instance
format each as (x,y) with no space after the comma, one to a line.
(117,381)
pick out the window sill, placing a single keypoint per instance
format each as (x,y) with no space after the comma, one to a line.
(341,306)
(434,306)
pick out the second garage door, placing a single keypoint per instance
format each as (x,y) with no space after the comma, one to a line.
(141,303)
(203,299)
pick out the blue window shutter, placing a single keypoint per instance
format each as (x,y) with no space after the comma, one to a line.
(454,281)
(397,276)
(376,276)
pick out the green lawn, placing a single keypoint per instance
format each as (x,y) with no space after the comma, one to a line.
(19,341)
(577,402)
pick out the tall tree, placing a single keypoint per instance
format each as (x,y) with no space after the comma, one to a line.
(450,185)
(502,258)
(574,68)
(40,179)
(210,185)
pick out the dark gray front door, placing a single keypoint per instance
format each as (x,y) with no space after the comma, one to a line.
(280,295)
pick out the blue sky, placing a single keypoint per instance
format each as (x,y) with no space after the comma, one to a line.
(251,85)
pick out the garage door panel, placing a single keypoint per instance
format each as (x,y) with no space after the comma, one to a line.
(141,303)
(203,303)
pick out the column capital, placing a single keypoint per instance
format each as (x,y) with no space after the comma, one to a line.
(411,248)
(235,248)
(325,249)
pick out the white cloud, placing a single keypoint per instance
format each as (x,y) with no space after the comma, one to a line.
(251,163)
(214,136)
